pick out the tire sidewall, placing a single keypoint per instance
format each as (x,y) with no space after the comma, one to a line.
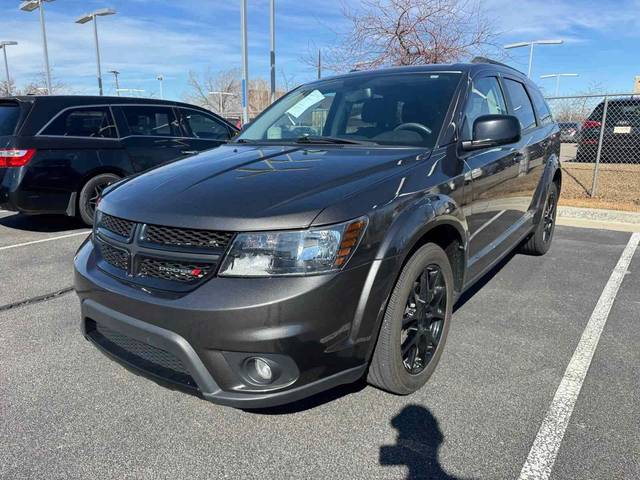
(545,245)
(86,191)
(429,254)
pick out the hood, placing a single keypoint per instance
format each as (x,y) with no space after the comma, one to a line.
(248,187)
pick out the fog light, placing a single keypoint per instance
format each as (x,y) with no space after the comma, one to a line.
(259,370)
(263,369)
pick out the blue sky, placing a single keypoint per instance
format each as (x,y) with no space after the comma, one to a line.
(173,37)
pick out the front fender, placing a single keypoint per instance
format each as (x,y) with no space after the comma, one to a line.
(411,226)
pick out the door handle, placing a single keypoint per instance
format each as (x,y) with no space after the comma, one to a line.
(189,152)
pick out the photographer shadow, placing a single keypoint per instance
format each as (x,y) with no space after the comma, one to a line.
(418,441)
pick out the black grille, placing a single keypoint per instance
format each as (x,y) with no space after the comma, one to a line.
(174,271)
(184,237)
(119,226)
(114,256)
(141,355)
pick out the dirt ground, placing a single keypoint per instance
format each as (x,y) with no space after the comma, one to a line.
(618,186)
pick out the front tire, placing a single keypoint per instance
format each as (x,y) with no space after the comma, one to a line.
(416,323)
(90,193)
(540,241)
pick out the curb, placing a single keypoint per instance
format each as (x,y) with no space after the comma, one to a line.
(599,219)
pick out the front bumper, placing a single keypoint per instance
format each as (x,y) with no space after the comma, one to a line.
(318,330)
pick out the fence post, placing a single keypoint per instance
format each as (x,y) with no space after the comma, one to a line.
(594,184)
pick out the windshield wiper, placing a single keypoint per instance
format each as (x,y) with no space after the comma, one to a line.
(333,140)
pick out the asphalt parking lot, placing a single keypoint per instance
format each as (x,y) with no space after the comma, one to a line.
(68,412)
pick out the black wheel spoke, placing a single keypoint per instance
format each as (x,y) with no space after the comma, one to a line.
(410,342)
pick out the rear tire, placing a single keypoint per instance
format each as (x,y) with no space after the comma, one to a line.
(90,193)
(540,241)
(411,339)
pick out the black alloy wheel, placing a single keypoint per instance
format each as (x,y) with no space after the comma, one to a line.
(423,320)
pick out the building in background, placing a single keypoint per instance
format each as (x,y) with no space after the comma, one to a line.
(636,85)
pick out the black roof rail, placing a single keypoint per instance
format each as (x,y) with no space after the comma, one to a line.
(493,62)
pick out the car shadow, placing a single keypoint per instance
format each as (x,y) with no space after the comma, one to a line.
(41,223)
(482,281)
(417,443)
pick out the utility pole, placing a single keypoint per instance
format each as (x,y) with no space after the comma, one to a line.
(319,64)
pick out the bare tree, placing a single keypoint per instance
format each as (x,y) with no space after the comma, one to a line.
(36,86)
(410,32)
(222,93)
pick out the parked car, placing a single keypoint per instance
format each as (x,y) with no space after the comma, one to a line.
(621,136)
(57,153)
(569,132)
(329,241)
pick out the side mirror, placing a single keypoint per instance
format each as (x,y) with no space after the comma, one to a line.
(492,131)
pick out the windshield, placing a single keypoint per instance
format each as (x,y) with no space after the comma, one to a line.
(391,109)
(9,113)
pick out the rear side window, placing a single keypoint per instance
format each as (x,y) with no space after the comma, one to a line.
(520,103)
(541,107)
(203,126)
(93,122)
(485,99)
(151,121)
(9,114)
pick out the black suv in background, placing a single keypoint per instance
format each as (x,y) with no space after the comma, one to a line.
(329,241)
(621,135)
(57,153)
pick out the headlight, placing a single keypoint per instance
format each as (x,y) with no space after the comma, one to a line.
(317,250)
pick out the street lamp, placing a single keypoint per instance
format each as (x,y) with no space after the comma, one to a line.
(30,6)
(115,76)
(245,61)
(530,45)
(220,95)
(94,16)
(272,56)
(160,78)
(3,46)
(557,77)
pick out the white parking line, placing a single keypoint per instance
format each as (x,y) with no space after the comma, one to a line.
(8,247)
(547,443)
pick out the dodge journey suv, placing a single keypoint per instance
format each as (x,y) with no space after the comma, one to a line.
(329,241)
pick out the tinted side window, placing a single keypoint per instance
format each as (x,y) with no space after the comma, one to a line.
(9,114)
(151,121)
(93,122)
(520,103)
(541,106)
(203,126)
(485,99)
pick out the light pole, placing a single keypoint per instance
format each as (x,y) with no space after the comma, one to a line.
(272,25)
(30,6)
(115,76)
(530,45)
(557,77)
(3,46)
(94,16)
(220,95)
(160,78)
(245,61)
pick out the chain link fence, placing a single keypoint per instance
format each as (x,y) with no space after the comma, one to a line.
(600,150)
